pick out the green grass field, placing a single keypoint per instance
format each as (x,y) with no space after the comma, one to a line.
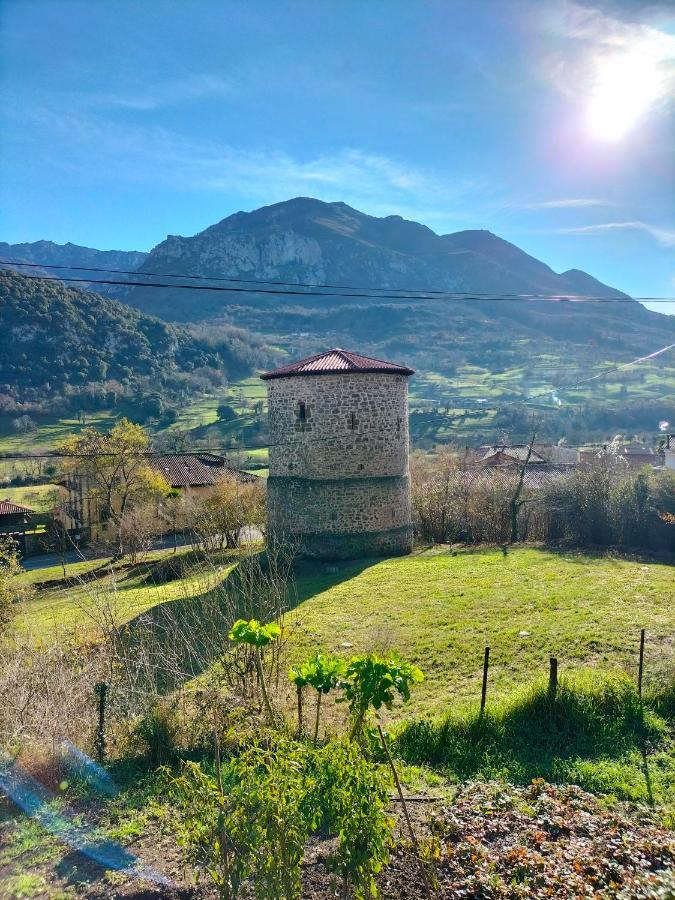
(41,498)
(75,611)
(439,609)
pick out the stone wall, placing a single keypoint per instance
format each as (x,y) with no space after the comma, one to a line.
(353,425)
(338,484)
(303,505)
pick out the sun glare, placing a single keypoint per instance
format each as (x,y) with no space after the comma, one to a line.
(625,87)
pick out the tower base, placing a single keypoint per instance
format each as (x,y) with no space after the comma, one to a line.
(331,545)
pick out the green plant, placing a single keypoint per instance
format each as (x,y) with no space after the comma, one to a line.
(297,677)
(373,681)
(252,818)
(158,732)
(323,672)
(355,795)
(11,589)
(213,828)
(258,636)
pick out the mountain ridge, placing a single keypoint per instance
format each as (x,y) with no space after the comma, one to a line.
(49,253)
(309,240)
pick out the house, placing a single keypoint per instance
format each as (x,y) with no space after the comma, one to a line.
(513,456)
(669,451)
(632,456)
(502,463)
(14,519)
(193,475)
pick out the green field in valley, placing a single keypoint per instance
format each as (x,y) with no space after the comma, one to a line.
(467,401)
(41,498)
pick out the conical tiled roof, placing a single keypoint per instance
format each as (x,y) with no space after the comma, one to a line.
(337,362)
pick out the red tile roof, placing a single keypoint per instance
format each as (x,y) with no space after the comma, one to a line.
(335,362)
(196,470)
(7,508)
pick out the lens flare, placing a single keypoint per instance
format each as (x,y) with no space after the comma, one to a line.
(626,86)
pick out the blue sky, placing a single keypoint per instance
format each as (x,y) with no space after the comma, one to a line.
(551,124)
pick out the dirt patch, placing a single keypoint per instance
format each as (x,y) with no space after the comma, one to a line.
(491,842)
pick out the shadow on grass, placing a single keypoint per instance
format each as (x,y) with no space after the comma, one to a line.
(595,730)
(182,638)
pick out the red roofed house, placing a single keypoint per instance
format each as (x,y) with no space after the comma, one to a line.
(193,475)
(13,521)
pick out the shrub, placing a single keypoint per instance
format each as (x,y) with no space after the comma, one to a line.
(600,507)
(252,816)
(354,795)
(158,732)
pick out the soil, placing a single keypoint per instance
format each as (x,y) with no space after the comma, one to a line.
(491,842)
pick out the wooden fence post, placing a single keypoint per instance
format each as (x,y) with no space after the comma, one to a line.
(641,662)
(101,689)
(553,678)
(483,693)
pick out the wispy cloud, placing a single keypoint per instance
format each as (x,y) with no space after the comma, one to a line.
(150,96)
(664,236)
(152,154)
(567,203)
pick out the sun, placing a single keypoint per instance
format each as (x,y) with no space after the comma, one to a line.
(625,87)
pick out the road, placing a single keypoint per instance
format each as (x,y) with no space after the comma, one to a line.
(47,560)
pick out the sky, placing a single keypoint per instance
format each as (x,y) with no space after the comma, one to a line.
(551,124)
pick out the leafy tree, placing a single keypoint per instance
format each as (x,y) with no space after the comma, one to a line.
(226,413)
(11,590)
(112,470)
(232,506)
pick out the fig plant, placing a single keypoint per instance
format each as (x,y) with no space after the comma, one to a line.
(323,672)
(258,636)
(374,681)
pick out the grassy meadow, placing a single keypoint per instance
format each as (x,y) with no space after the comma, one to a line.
(439,608)
(41,498)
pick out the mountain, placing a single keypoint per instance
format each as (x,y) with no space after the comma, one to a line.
(47,253)
(477,358)
(306,241)
(64,350)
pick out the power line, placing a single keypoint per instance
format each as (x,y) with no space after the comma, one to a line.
(357,294)
(292,284)
(616,368)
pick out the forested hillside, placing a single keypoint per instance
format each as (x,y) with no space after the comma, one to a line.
(63,350)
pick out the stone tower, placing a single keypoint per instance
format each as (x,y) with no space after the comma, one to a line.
(339,485)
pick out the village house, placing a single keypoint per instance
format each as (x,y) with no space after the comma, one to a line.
(193,476)
(669,452)
(504,462)
(14,519)
(633,456)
